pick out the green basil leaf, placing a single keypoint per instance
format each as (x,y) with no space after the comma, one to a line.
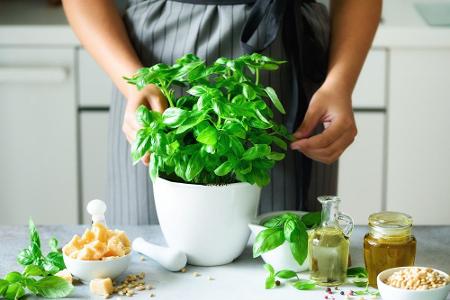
(299,244)
(276,156)
(257,151)
(34,237)
(194,167)
(146,117)
(49,267)
(208,136)
(248,92)
(174,116)
(224,168)
(279,142)
(290,226)
(3,286)
(304,285)
(312,219)
(262,117)
(357,272)
(15,291)
(286,274)
(234,129)
(53,244)
(270,282)
(276,102)
(13,277)
(53,287)
(25,257)
(267,240)
(33,270)
(153,166)
(360,282)
(56,259)
(275,221)
(141,145)
(269,268)
(195,118)
(245,167)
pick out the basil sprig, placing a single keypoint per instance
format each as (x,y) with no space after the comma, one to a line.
(35,279)
(220,130)
(299,284)
(38,275)
(290,228)
(51,263)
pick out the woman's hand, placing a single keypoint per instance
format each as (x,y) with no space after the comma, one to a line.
(149,96)
(334,110)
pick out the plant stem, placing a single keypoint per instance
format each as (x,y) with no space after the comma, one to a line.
(167,94)
(257,76)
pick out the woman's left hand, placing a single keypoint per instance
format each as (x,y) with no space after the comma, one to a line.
(334,110)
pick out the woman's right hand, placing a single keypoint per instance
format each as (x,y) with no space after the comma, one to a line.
(149,96)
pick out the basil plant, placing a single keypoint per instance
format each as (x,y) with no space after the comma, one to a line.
(221,129)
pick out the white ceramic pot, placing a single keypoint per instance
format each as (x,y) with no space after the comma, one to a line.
(281,257)
(208,223)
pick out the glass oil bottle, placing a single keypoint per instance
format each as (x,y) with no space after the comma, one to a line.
(329,244)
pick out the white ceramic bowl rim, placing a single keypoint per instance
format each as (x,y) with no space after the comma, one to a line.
(202,186)
(379,280)
(85,261)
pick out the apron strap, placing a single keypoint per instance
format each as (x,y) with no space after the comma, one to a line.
(285,14)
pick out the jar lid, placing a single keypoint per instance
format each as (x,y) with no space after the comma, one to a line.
(390,223)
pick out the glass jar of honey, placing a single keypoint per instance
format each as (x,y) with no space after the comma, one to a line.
(388,244)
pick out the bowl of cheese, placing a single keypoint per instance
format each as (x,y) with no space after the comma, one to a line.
(99,253)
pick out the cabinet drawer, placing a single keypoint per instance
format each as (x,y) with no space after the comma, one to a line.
(370,89)
(93,83)
(360,181)
(94,132)
(38,171)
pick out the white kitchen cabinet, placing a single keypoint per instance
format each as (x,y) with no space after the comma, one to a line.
(418,152)
(370,90)
(94,131)
(38,161)
(361,168)
(94,84)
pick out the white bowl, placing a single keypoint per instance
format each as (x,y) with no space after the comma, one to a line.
(392,293)
(86,270)
(281,257)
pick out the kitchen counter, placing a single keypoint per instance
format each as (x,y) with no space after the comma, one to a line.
(242,279)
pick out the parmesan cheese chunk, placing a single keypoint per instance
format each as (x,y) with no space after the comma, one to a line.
(65,274)
(101,286)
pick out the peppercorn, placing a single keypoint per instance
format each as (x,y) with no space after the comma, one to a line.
(277,283)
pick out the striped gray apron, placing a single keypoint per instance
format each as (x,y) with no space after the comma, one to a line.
(162,31)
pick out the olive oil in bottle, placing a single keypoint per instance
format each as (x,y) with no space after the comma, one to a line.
(329,245)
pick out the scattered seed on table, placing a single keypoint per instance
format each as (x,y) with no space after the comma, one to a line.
(196,274)
(183,270)
(210,278)
(152,295)
(142,258)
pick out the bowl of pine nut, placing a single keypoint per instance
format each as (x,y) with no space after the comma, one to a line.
(413,283)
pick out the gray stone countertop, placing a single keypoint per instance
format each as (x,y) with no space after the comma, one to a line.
(242,279)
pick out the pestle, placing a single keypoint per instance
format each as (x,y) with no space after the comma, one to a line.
(170,259)
(97,208)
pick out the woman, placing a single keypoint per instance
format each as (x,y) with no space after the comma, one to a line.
(153,31)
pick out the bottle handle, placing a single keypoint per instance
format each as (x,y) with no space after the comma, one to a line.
(346,223)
